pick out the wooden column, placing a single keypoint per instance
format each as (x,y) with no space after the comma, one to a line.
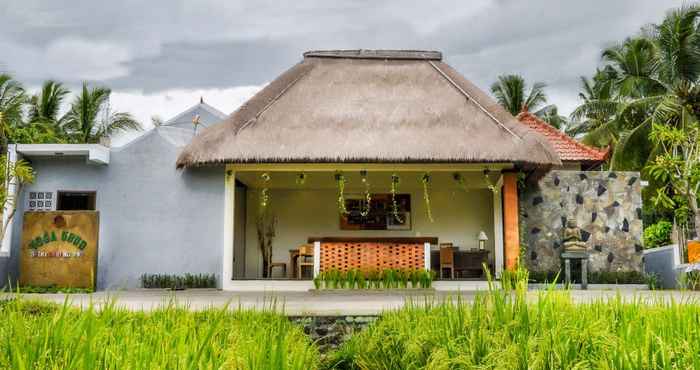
(510,220)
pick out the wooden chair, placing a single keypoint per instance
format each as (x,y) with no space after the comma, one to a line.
(283,265)
(306,251)
(447,259)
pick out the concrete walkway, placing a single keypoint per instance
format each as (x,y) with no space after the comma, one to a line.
(321,303)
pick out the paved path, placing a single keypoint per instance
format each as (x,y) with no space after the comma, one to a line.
(314,303)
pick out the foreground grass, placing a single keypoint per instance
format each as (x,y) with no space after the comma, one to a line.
(500,331)
(44,336)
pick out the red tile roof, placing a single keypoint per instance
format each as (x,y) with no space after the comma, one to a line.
(568,148)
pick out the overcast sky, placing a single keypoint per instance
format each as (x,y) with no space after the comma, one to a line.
(159,56)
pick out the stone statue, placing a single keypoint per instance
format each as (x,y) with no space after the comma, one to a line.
(573,242)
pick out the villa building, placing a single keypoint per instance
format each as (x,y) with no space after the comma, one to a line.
(349,159)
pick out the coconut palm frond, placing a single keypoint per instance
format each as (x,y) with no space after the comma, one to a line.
(633,148)
(84,122)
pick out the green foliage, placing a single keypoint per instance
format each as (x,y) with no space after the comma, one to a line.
(374,279)
(600,277)
(90,119)
(510,92)
(40,336)
(689,280)
(186,281)
(502,330)
(52,289)
(658,234)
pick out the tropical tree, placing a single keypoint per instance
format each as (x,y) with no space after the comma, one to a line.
(90,119)
(510,92)
(12,98)
(662,63)
(44,107)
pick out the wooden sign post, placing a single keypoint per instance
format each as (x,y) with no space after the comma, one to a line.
(59,248)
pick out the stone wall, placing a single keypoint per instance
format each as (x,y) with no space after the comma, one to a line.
(607,207)
(329,332)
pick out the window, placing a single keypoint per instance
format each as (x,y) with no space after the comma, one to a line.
(40,201)
(75,201)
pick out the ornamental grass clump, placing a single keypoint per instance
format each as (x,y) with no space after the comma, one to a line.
(374,279)
(168,338)
(503,329)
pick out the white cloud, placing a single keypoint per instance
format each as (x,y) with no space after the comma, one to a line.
(169,103)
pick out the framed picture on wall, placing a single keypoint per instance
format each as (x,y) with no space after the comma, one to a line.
(380,215)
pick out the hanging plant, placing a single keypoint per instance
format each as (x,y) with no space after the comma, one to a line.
(301,179)
(459,179)
(341,180)
(364,211)
(490,184)
(394,206)
(425,179)
(265,192)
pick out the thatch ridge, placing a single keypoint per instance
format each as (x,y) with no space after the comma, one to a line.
(366,110)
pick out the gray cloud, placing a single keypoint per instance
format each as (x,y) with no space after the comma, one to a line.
(159,45)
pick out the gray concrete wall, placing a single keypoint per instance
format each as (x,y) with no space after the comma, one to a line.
(607,207)
(4,271)
(662,262)
(153,218)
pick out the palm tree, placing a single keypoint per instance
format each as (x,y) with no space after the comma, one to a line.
(509,91)
(43,114)
(44,106)
(12,98)
(90,120)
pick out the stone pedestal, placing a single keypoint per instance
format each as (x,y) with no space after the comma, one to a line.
(583,258)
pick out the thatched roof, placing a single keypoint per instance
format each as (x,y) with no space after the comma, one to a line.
(369,106)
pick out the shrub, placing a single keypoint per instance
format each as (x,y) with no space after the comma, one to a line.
(658,234)
(186,281)
(374,279)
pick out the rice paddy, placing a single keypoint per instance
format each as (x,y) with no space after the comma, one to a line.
(498,330)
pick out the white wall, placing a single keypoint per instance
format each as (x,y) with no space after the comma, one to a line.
(458,216)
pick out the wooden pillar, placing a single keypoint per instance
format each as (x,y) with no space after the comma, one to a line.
(510,220)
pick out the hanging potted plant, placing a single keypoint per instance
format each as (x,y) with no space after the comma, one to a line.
(340,181)
(394,206)
(425,179)
(367,201)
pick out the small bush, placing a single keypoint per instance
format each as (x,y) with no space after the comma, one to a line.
(53,289)
(599,277)
(658,234)
(374,279)
(186,281)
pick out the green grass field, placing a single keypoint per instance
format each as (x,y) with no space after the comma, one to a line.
(497,331)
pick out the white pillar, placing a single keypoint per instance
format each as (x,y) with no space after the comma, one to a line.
(426,256)
(229,208)
(317,258)
(6,244)
(498,228)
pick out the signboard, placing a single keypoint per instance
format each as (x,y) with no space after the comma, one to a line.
(59,248)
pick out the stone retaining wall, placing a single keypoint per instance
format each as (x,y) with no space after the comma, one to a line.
(607,207)
(329,332)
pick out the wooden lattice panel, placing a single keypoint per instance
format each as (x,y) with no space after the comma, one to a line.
(369,256)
